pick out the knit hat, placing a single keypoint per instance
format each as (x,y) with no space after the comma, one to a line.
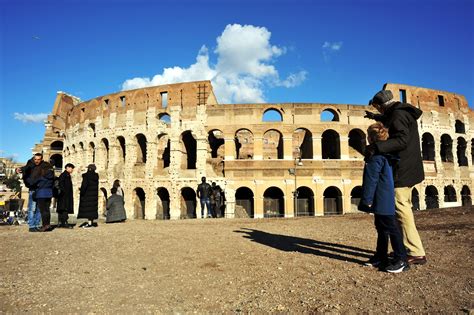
(381,97)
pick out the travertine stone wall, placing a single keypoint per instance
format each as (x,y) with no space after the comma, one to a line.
(167,137)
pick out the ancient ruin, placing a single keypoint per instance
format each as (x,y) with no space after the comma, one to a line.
(282,159)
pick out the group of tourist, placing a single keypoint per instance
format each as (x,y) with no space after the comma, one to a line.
(212,197)
(393,165)
(38,177)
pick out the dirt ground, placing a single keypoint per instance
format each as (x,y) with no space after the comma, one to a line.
(234,266)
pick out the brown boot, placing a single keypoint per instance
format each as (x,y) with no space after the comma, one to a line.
(46,228)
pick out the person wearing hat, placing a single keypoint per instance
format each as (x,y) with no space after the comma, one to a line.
(65,205)
(404,140)
(88,201)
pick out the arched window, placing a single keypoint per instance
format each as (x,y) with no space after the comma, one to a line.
(273,144)
(57,145)
(331,145)
(243,144)
(273,203)
(356,194)
(459,126)
(141,148)
(163,205)
(91,129)
(466,196)
(244,200)
(461,152)
(215,139)
(428,147)
(188,203)
(165,118)
(356,143)
(302,144)
(446,148)
(190,148)
(105,150)
(139,203)
(57,161)
(92,151)
(272,115)
(122,150)
(329,115)
(415,199)
(164,151)
(305,202)
(332,201)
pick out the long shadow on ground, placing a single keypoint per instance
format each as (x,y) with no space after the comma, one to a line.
(308,246)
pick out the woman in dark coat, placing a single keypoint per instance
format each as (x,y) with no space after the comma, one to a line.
(88,202)
(65,203)
(115,208)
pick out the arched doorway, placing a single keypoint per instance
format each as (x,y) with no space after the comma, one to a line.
(139,203)
(244,199)
(141,148)
(163,204)
(415,199)
(189,145)
(332,201)
(188,203)
(461,152)
(446,148)
(215,139)
(356,194)
(449,194)
(273,203)
(57,145)
(305,202)
(330,144)
(431,197)
(302,144)
(103,201)
(57,161)
(466,196)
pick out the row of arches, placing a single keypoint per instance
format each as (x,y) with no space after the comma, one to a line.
(446,149)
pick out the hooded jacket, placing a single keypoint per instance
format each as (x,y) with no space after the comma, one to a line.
(404,140)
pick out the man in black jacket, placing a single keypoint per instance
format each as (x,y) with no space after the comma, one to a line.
(65,204)
(404,140)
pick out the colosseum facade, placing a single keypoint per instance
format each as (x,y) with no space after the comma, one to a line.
(280,159)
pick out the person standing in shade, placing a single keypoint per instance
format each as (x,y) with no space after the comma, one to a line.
(34,214)
(116,185)
(216,200)
(404,140)
(204,192)
(89,195)
(65,204)
(42,179)
(115,208)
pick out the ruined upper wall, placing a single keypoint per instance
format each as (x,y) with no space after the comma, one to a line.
(184,96)
(430,100)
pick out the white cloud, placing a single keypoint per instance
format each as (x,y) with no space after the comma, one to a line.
(30,118)
(243,69)
(336,46)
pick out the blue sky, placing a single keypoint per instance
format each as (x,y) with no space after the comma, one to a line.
(334,51)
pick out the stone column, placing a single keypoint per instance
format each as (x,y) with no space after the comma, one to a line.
(317,148)
(346,195)
(288,147)
(344,143)
(229,149)
(290,198)
(258,199)
(319,198)
(258,148)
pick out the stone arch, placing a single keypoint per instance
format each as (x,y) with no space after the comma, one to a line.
(164,151)
(459,126)
(165,118)
(73,149)
(302,144)
(357,142)
(215,139)
(273,144)
(122,148)
(331,145)
(329,114)
(91,129)
(81,146)
(461,152)
(92,151)
(189,146)
(431,197)
(356,194)
(446,148)
(105,148)
(57,145)
(141,148)
(415,199)
(272,115)
(332,201)
(304,202)
(139,200)
(188,203)
(449,194)
(428,147)
(273,202)
(163,204)
(243,144)
(244,198)
(466,196)
(103,201)
(57,161)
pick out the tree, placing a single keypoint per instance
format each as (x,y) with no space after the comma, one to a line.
(13,182)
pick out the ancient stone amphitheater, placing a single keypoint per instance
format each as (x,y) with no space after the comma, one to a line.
(282,159)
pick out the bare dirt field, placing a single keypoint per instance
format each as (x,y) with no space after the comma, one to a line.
(234,266)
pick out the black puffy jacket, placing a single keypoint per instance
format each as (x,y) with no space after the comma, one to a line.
(404,140)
